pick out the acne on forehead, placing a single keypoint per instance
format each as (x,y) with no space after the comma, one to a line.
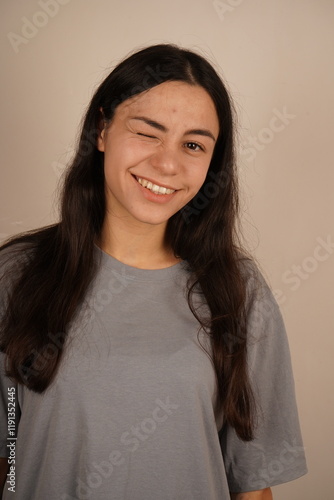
(189,99)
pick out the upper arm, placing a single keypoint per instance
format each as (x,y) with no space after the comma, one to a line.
(265,494)
(276,455)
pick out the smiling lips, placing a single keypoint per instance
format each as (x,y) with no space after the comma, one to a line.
(155,188)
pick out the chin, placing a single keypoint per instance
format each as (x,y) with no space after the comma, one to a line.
(152,219)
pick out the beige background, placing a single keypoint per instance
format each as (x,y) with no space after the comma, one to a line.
(276,56)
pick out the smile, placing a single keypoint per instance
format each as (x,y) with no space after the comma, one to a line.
(154,187)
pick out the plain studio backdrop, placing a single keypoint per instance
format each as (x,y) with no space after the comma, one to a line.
(276,57)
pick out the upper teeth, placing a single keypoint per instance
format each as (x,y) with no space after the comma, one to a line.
(154,187)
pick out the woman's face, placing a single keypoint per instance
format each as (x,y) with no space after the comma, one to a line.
(157,151)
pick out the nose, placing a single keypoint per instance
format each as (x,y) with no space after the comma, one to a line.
(166,161)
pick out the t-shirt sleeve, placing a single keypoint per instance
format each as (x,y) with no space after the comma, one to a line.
(276,455)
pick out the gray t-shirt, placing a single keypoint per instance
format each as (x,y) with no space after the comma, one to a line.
(130,414)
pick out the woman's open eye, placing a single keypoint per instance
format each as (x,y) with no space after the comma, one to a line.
(193,146)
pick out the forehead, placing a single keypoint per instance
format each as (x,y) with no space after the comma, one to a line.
(172,100)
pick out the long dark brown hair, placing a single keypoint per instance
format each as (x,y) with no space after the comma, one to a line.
(51,281)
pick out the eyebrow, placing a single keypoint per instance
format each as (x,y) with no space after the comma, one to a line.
(162,128)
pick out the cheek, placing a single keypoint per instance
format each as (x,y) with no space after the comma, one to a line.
(197,178)
(115,161)
(122,155)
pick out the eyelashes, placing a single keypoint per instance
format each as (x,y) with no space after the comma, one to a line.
(191,145)
(194,146)
(146,135)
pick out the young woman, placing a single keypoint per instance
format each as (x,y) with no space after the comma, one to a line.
(144,357)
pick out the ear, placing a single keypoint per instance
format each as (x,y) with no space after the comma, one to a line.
(100,141)
(100,137)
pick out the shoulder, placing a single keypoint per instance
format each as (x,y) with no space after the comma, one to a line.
(12,257)
(12,260)
(258,291)
(265,322)
(20,249)
(15,256)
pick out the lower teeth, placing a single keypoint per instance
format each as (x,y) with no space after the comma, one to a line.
(155,192)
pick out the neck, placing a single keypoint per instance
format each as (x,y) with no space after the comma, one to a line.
(136,244)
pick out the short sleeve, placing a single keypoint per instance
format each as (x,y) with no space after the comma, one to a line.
(276,455)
